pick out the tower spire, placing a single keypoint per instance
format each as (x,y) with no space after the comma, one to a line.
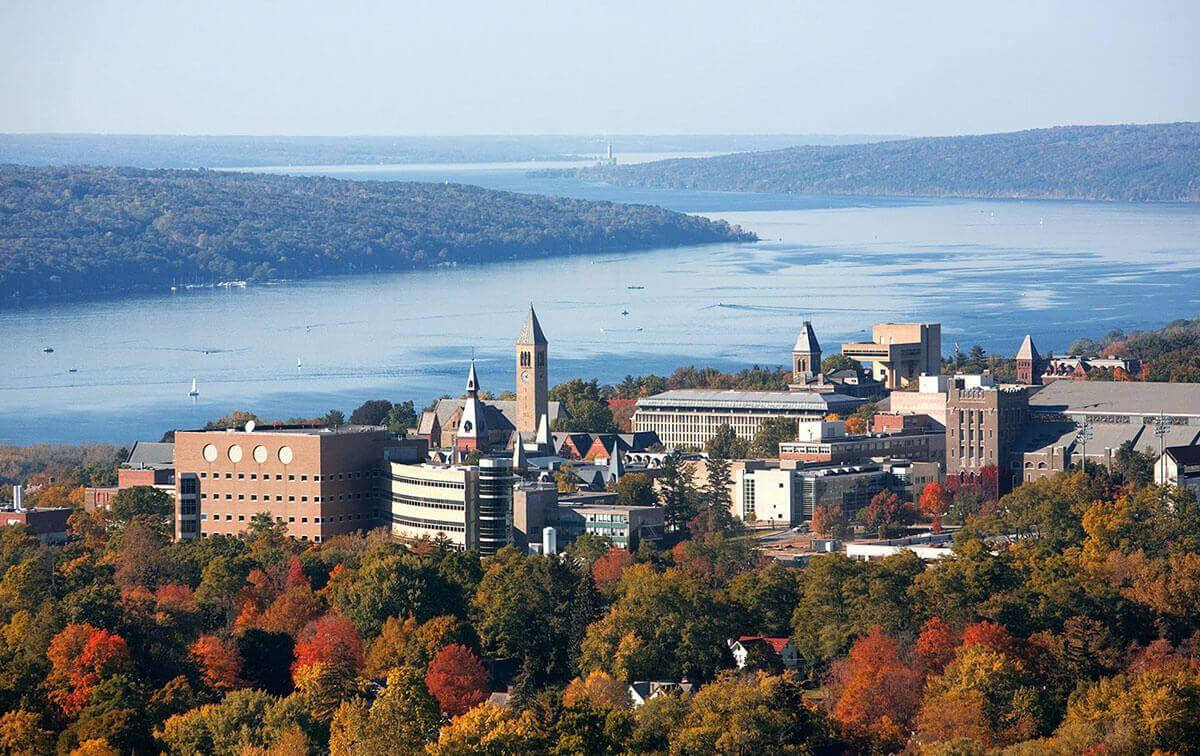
(472,380)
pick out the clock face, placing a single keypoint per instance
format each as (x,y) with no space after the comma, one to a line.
(525,375)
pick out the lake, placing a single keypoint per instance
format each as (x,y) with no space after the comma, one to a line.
(989,271)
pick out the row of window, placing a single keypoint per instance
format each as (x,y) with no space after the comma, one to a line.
(421,501)
(422,524)
(279,497)
(425,482)
(318,520)
(265,476)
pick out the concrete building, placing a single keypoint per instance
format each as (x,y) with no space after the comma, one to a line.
(471,506)
(825,441)
(763,492)
(899,353)
(982,427)
(320,482)
(688,418)
(539,506)
(1071,420)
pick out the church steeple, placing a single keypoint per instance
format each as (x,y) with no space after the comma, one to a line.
(471,434)
(532,380)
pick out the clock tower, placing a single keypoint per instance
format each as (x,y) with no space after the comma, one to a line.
(532,381)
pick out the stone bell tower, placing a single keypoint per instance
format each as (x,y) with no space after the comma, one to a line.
(532,380)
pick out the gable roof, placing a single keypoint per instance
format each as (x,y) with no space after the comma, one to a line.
(531,331)
(1184,455)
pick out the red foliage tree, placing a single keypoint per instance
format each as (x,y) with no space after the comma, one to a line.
(874,693)
(935,646)
(992,635)
(218,660)
(80,657)
(933,499)
(606,570)
(456,679)
(886,513)
(330,639)
(295,576)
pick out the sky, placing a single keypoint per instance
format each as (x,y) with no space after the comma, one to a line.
(565,67)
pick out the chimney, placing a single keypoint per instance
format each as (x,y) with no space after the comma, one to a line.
(19,498)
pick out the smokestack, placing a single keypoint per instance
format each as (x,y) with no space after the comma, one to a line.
(19,497)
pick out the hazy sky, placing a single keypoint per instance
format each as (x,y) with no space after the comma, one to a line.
(518,66)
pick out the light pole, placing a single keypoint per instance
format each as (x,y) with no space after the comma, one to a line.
(1160,429)
(1083,436)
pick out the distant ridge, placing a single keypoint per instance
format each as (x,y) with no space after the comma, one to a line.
(1156,162)
(83,232)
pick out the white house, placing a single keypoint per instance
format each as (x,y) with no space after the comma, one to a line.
(642,691)
(780,647)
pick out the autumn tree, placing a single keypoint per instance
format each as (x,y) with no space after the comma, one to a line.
(490,729)
(935,646)
(873,693)
(332,641)
(405,642)
(457,679)
(218,660)
(606,570)
(404,717)
(749,714)
(598,691)
(634,490)
(830,520)
(887,514)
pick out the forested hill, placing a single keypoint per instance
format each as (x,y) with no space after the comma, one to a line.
(76,231)
(1158,162)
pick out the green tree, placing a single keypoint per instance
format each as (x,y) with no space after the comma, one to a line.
(404,717)
(401,417)
(334,418)
(715,497)
(836,362)
(587,408)
(773,432)
(371,412)
(725,444)
(634,490)
(145,501)
(675,493)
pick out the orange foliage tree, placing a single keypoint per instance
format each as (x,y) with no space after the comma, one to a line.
(457,679)
(218,660)
(935,646)
(874,694)
(81,656)
(606,570)
(991,635)
(328,640)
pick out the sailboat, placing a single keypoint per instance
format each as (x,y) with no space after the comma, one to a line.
(194,392)
(298,363)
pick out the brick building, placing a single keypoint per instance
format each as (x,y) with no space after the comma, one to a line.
(982,427)
(321,482)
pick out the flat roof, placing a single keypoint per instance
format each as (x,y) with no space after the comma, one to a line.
(732,399)
(293,430)
(1118,397)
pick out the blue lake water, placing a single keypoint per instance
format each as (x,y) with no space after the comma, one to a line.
(989,271)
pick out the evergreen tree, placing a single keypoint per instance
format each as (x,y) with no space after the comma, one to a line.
(675,493)
(715,496)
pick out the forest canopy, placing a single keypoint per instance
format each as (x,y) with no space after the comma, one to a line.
(81,231)
(1155,162)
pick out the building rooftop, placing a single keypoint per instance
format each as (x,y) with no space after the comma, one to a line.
(151,454)
(531,331)
(1118,397)
(296,430)
(731,399)
(1184,455)
(1042,437)
(1028,351)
